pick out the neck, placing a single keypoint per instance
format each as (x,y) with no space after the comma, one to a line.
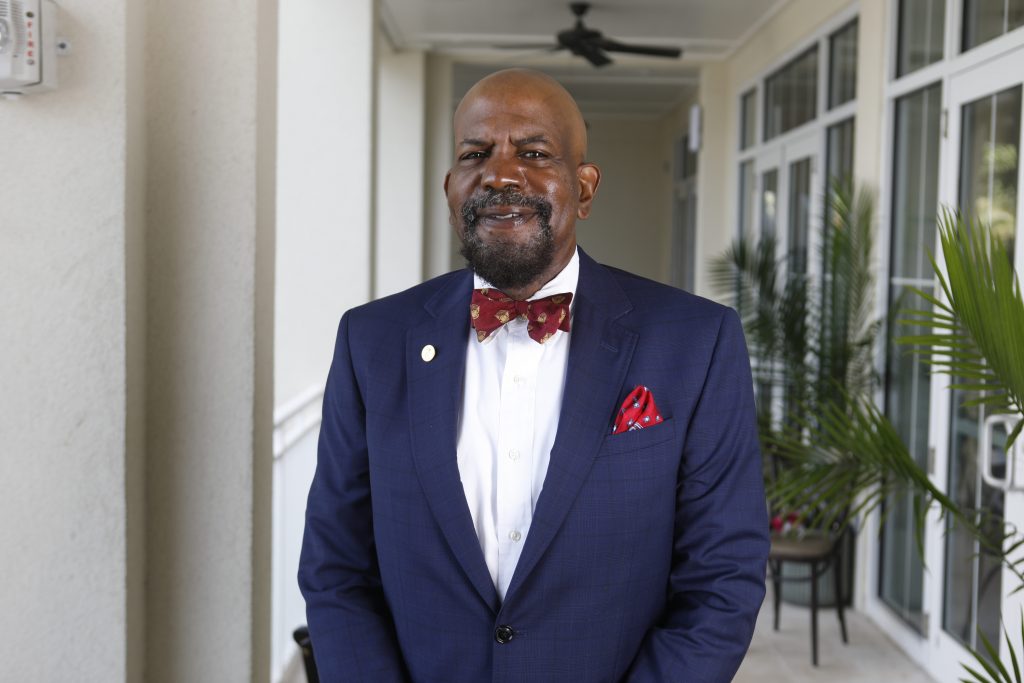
(524,293)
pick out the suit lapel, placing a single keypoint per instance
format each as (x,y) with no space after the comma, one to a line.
(600,351)
(435,395)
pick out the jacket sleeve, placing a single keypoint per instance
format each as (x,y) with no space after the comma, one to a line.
(717,580)
(350,624)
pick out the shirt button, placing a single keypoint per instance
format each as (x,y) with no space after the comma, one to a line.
(504,634)
(518,379)
(515,536)
(513,455)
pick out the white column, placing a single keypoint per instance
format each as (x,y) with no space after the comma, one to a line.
(210,84)
(325,259)
(440,246)
(716,203)
(325,176)
(401,90)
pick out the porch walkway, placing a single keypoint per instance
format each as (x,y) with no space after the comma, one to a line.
(785,656)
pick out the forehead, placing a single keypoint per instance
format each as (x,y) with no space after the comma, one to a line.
(525,112)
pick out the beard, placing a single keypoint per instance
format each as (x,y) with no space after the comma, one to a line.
(507,263)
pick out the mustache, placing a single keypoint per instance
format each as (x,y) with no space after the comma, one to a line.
(471,208)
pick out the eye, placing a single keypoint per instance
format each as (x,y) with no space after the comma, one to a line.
(534,154)
(468,156)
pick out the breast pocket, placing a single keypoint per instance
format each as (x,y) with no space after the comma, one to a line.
(638,440)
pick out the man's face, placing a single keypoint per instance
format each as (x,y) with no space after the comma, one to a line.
(517,185)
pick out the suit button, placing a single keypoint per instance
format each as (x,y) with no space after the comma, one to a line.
(503,634)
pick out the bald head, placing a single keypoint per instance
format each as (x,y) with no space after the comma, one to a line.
(535,95)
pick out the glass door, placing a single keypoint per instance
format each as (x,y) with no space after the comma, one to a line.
(788,199)
(787,204)
(967,587)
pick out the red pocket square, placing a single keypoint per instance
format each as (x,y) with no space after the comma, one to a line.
(637,411)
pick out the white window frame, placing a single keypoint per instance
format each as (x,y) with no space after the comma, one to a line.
(818,126)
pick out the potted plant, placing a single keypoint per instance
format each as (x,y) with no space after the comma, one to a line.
(812,339)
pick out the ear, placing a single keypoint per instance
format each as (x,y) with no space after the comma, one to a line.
(589,176)
(447,177)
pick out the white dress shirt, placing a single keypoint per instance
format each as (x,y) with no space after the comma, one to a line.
(511,397)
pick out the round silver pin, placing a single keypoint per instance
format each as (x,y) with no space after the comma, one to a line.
(428,353)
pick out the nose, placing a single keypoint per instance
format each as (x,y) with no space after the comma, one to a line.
(501,172)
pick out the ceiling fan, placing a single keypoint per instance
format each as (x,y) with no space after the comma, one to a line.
(593,46)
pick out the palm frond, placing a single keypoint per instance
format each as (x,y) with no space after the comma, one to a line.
(849,457)
(977,334)
(992,670)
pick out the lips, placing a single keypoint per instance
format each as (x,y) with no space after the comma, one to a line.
(518,214)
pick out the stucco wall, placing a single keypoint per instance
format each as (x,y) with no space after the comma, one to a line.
(63,333)
(136,248)
(630,219)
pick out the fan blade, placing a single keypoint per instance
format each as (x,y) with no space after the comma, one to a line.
(592,54)
(529,46)
(615,46)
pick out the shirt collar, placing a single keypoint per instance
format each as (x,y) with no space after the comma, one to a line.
(565,282)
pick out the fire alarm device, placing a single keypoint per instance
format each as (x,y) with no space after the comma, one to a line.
(28,50)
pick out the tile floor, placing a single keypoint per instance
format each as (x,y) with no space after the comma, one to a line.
(785,656)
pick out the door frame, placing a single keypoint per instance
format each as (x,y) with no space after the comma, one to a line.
(963,87)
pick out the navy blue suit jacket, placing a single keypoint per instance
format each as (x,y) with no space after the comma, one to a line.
(645,558)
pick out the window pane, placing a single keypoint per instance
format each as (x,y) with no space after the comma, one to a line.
(907,397)
(684,237)
(840,153)
(921,30)
(689,160)
(973,576)
(747,198)
(791,95)
(839,163)
(748,114)
(915,179)
(685,163)
(842,79)
(988,172)
(769,201)
(799,214)
(988,19)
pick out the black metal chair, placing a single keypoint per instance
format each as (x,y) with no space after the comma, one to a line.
(301,636)
(818,550)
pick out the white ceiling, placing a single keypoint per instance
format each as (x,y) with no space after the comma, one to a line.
(485,35)
(703,28)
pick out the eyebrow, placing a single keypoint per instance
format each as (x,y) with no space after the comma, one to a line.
(520,142)
(530,140)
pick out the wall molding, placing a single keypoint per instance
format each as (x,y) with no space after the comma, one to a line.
(296,418)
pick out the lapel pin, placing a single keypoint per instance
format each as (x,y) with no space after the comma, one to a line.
(428,353)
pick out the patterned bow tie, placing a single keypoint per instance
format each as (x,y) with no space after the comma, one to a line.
(490,309)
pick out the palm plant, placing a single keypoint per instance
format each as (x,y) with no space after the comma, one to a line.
(989,669)
(811,340)
(845,454)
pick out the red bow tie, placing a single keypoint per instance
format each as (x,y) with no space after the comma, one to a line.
(490,309)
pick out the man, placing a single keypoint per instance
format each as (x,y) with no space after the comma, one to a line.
(473,517)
